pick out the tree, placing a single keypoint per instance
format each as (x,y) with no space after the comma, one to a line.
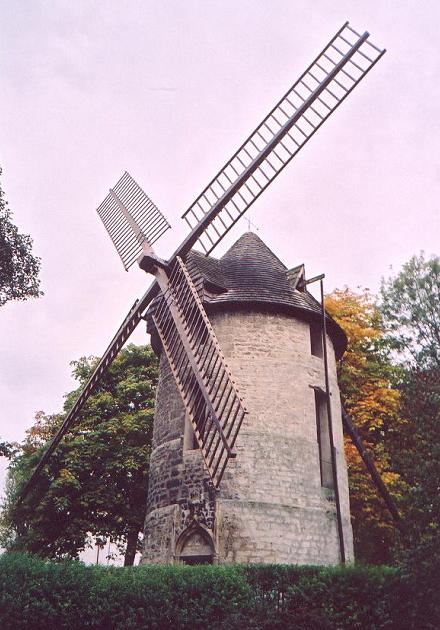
(18,267)
(366,379)
(411,311)
(416,456)
(96,482)
(416,453)
(6,449)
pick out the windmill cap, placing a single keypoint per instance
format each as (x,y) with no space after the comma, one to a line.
(250,275)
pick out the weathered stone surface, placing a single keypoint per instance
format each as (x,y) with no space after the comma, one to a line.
(271,506)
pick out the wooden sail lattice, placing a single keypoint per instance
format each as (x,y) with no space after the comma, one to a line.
(131,229)
(292,122)
(210,397)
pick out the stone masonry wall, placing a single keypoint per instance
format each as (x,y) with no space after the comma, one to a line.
(271,506)
(180,492)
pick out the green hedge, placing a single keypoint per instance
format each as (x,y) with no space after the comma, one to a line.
(46,595)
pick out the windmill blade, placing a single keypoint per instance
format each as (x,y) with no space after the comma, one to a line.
(354,434)
(131,219)
(127,327)
(342,64)
(210,397)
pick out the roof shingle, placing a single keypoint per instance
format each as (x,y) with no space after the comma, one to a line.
(250,275)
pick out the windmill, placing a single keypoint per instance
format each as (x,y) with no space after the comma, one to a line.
(212,402)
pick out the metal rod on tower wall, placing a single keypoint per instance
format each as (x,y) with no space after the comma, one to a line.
(330,429)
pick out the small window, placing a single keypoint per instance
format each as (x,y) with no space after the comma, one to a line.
(316,339)
(189,438)
(190,442)
(322,430)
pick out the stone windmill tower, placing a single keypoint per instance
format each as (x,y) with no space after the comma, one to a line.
(266,483)
(276,502)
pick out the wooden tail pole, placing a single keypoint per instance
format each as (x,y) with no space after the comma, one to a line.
(354,434)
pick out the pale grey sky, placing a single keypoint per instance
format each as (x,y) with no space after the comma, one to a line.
(168,90)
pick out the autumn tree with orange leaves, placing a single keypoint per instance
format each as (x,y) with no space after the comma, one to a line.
(366,378)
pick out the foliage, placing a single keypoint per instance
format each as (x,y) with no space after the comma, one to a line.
(366,378)
(312,598)
(346,598)
(8,449)
(414,593)
(410,308)
(411,312)
(48,595)
(96,482)
(416,454)
(18,267)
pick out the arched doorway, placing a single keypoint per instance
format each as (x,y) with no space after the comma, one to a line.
(195,546)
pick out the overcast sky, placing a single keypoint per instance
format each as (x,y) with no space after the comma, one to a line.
(168,90)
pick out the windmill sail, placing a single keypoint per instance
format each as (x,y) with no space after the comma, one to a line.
(211,399)
(292,122)
(199,368)
(131,219)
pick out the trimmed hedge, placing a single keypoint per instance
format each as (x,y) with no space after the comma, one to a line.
(40,594)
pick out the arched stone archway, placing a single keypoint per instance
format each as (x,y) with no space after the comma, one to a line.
(195,546)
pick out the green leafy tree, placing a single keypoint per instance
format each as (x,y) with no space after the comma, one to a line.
(416,456)
(410,305)
(416,453)
(411,311)
(7,449)
(366,378)
(18,267)
(96,481)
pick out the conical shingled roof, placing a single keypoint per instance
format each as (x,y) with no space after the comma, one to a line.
(250,274)
(253,270)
